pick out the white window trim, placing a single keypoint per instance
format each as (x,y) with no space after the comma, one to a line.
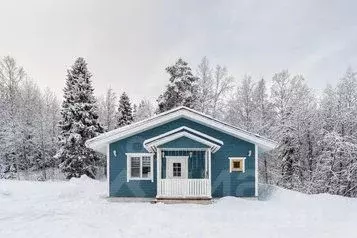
(141,155)
(236,158)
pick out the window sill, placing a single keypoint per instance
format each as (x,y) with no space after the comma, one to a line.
(138,179)
(240,171)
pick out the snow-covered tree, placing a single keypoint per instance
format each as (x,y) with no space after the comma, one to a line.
(107,110)
(336,166)
(182,88)
(25,123)
(346,93)
(144,110)
(222,85)
(48,112)
(214,87)
(204,86)
(328,109)
(125,111)
(241,107)
(296,129)
(336,170)
(29,125)
(11,75)
(79,123)
(263,114)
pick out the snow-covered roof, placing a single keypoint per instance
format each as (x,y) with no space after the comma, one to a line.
(100,142)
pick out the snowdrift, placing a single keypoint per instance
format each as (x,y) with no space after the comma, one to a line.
(79,208)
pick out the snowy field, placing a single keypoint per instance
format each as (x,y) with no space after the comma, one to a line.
(78,208)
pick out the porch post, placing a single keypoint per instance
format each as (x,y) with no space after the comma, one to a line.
(209,173)
(158,172)
(256,172)
(206,164)
(209,162)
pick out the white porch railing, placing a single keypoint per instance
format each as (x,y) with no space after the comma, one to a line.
(184,188)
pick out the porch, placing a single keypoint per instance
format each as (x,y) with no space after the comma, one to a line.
(183,163)
(184,173)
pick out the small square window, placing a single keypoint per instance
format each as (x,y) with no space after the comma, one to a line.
(236,164)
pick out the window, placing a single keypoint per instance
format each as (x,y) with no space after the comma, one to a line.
(135,167)
(146,164)
(237,164)
(139,166)
(176,169)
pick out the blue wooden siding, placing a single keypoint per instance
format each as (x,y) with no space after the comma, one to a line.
(224,183)
(183,142)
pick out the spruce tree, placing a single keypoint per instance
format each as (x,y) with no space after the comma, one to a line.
(79,123)
(182,89)
(125,111)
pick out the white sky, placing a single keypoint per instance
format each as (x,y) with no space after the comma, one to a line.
(128,44)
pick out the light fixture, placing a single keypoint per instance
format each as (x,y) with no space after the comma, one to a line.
(250,153)
(190,154)
(115,153)
(163,154)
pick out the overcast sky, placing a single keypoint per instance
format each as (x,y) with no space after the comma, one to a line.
(128,44)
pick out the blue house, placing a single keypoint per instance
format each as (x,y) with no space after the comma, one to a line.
(181,154)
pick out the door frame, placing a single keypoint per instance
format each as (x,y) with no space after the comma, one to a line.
(177,159)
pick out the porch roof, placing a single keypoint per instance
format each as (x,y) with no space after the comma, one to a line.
(151,144)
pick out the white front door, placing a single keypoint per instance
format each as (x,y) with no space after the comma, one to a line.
(176,167)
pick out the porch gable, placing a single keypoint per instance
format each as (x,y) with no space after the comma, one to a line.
(183,142)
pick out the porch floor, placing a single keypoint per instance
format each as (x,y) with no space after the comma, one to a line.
(203,201)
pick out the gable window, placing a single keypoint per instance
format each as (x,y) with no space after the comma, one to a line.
(140,166)
(237,164)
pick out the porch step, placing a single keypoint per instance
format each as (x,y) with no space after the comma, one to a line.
(203,201)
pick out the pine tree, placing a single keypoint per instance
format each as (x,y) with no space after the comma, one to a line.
(79,123)
(182,89)
(125,111)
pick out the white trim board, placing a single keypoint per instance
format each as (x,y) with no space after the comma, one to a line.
(256,171)
(152,143)
(108,169)
(98,143)
(186,129)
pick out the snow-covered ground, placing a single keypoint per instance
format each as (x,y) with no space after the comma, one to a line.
(78,208)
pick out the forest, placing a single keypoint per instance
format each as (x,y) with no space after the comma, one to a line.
(44,135)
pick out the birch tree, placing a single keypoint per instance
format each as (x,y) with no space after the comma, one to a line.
(107,107)
(11,76)
(144,110)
